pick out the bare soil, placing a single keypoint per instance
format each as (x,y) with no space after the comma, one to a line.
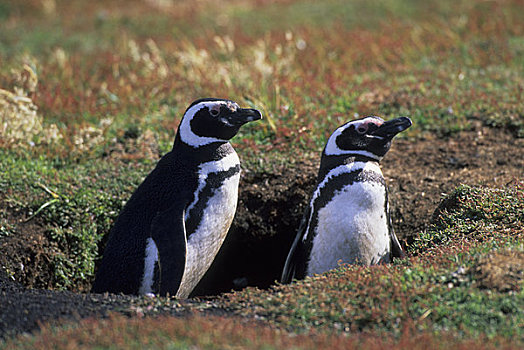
(270,207)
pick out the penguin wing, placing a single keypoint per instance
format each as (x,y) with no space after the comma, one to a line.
(296,262)
(169,234)
(396,248)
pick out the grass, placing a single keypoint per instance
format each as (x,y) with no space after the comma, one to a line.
(74,203)
(472,214)
(115,83)
(91,93)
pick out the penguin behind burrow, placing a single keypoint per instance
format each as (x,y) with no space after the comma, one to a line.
(347,219)
(172,227)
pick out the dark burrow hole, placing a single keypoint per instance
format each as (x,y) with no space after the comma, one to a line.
(269,211)
(268,214)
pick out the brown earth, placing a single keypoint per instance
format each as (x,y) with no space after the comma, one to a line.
(269,210)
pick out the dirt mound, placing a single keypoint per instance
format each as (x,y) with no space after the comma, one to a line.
(27,252)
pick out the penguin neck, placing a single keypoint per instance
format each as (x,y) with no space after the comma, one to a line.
(330,162)
(191,155)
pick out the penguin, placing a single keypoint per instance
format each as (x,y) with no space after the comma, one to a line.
(347,220)
(170,230)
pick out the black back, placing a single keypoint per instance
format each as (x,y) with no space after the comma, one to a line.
(174,180)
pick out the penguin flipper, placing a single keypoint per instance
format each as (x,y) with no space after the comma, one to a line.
(290,266)
(395,247)
(295,266)
(169,234)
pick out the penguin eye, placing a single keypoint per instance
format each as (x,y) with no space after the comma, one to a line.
(362,128)
(215,111)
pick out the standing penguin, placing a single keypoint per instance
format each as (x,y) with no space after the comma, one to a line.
(172,227)
(347,219)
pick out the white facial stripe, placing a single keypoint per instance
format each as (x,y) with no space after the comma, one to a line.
(187,135)
(331,146)
(346,168)
(146,286)
(375,120)
(224,164)
(333,150)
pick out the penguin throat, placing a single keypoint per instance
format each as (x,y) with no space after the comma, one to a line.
(328,151)
(330,162)
(335,160)
(190,154)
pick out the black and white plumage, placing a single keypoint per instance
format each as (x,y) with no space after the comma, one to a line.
(172,227)
(347,220)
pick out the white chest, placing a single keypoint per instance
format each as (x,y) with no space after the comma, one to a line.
(351,228)
(204,243)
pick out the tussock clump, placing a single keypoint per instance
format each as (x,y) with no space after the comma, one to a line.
(502,270)
(18,117)
(88,137)
(151,59)
(19,120)
(475,214)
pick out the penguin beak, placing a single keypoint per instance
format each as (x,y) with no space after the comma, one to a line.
(243,115)
(389,129)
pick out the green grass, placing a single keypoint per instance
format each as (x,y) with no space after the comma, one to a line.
(474,214)
(75,205)
(451,289)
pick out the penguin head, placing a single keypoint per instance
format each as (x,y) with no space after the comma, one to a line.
(370,137)
(211,120)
